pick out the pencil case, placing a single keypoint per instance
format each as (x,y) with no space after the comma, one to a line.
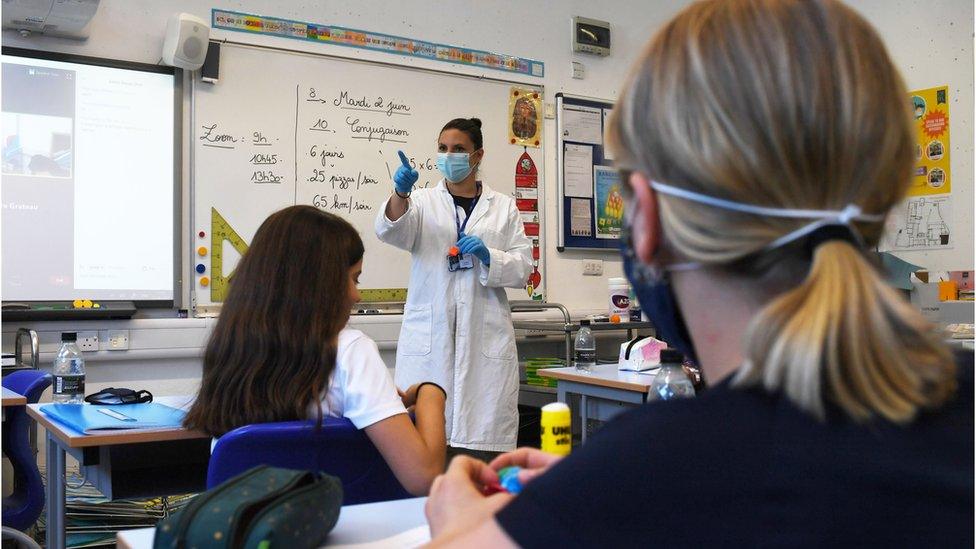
(265,507)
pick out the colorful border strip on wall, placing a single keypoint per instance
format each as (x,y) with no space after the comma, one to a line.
(286,28)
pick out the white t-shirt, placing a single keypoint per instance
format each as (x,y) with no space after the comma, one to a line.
(360,389)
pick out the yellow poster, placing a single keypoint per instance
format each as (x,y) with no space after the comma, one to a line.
(930,108)
(524,117)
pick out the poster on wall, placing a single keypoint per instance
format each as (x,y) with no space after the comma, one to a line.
(919,223)
(524,117)
(527,202)
(608,203)
(930,111)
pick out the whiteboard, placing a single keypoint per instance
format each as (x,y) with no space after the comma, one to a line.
(283,127)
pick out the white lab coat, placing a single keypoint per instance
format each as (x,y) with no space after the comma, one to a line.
(457,326)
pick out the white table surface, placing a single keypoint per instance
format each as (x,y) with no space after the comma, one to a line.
(364,523)
(603,374)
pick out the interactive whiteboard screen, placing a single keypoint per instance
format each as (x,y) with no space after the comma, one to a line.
(88,179)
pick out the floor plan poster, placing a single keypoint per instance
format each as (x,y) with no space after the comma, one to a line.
(920,223)
(930,109)
(609,203)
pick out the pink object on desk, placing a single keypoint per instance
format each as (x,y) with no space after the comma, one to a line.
(963,279)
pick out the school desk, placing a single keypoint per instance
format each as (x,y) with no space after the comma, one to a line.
(11,398)
(122,464)
(603,392)
(364,523)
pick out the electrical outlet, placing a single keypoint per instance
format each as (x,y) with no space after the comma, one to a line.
(118,340)
(592,267)
(87,341)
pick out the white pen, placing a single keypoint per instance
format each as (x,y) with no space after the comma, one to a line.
(116,415)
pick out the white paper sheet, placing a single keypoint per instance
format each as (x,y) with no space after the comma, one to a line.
(920,223)
(580,217)
(414,537)
(582,124)
(607,154)
(578,170)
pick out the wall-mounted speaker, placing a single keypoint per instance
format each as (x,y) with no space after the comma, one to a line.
(185,45)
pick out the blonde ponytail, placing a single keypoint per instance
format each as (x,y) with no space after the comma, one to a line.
(788,104)
(845,336)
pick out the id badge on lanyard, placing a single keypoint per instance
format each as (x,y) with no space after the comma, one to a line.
(456,261)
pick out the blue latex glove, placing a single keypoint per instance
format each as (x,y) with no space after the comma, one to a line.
(469,244)
(405,176)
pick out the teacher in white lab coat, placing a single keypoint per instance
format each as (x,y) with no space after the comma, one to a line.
(467,245)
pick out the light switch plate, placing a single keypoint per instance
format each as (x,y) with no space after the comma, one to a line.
(118,340)
(579,72)
(592,267)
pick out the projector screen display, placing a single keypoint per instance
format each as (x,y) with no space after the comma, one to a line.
(88,181)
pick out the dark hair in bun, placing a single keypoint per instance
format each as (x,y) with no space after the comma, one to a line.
(470,126)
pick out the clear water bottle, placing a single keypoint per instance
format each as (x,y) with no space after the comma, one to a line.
(671,381)
(585,347)
(69,372)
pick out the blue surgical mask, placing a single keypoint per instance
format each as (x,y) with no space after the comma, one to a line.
(454,166)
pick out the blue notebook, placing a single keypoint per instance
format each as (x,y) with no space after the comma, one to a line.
(92,418)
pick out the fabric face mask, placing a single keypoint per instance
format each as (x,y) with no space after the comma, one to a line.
(454,166)
(657,300)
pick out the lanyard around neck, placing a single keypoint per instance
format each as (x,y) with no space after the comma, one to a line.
(467,211)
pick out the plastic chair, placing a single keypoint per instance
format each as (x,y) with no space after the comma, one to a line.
(18,540)
(24,505)
(338,448)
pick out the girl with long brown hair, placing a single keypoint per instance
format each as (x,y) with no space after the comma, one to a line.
(281,349)
(763,142)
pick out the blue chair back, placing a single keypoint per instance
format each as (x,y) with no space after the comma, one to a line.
(24,505)
(338,448)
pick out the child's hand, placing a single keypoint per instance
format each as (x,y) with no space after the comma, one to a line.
(532,463)
(409,397)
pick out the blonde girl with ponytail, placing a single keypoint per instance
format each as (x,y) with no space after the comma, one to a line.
(763,143)
(807,114)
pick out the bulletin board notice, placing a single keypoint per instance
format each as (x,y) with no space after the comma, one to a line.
(590,200)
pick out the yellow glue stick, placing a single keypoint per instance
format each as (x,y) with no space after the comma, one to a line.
(557,430)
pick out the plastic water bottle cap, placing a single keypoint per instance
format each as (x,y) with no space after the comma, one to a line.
(672,356)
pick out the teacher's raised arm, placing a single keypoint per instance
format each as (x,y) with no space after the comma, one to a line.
(403,181)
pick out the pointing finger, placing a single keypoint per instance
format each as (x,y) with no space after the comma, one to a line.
(403,160)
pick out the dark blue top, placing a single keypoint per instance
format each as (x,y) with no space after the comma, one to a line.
(746,468)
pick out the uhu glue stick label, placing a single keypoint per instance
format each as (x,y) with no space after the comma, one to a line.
(557,431)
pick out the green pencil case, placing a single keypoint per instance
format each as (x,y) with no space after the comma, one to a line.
(265,507)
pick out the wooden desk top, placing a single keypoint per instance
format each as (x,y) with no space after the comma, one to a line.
(11,398)
(604,375)
(76,439)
